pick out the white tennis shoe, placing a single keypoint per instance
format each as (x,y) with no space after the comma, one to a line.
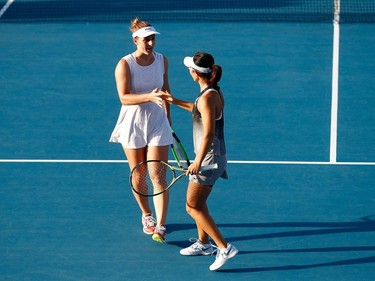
(223,255)
(198,248)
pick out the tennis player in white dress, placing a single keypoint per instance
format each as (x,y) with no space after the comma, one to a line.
(143,125)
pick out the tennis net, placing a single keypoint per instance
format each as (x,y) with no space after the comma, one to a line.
(187,10)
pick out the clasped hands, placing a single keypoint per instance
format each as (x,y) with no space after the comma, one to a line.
(157,96)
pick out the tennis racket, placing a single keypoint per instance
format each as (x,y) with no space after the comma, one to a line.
(179,152)
(153,177)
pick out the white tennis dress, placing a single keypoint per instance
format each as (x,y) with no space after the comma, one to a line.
(143,124)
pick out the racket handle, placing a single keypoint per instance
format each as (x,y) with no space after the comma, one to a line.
(209,167)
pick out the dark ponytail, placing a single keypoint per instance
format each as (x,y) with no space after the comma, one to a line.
(215,76)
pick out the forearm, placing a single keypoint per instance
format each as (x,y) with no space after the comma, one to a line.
(133,99)
(183,104)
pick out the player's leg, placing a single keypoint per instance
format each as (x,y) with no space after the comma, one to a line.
(196,206)
(160,201)
(134,157)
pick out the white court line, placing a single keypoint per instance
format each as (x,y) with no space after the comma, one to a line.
(301,163)
(5,8)
(230,162)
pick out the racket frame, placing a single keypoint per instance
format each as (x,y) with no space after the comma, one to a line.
(182,149)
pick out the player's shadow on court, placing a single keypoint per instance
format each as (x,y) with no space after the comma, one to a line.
(366,224)
(300,267)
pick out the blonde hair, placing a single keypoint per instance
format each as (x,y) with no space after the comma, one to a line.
(137,24)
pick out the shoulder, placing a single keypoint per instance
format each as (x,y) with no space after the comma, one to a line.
(122,65)
(210,97)
(125,60)
(210,93)
(128,57)
(159,56)
(162,59)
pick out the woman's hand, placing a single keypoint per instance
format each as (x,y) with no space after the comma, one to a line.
(156,97)
(194,168)
(167,96)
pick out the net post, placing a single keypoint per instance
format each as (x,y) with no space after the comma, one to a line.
(5,8)
(335,78)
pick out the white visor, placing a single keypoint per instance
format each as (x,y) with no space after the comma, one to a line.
(144,32)
(189,62)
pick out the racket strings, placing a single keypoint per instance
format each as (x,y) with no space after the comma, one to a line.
(152,178)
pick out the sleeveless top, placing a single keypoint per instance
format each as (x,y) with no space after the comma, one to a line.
(217,146)
(143,124)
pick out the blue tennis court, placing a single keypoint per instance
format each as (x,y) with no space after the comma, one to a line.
(66,209)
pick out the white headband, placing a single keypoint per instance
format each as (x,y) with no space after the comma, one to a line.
(144,32)
(189,62)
